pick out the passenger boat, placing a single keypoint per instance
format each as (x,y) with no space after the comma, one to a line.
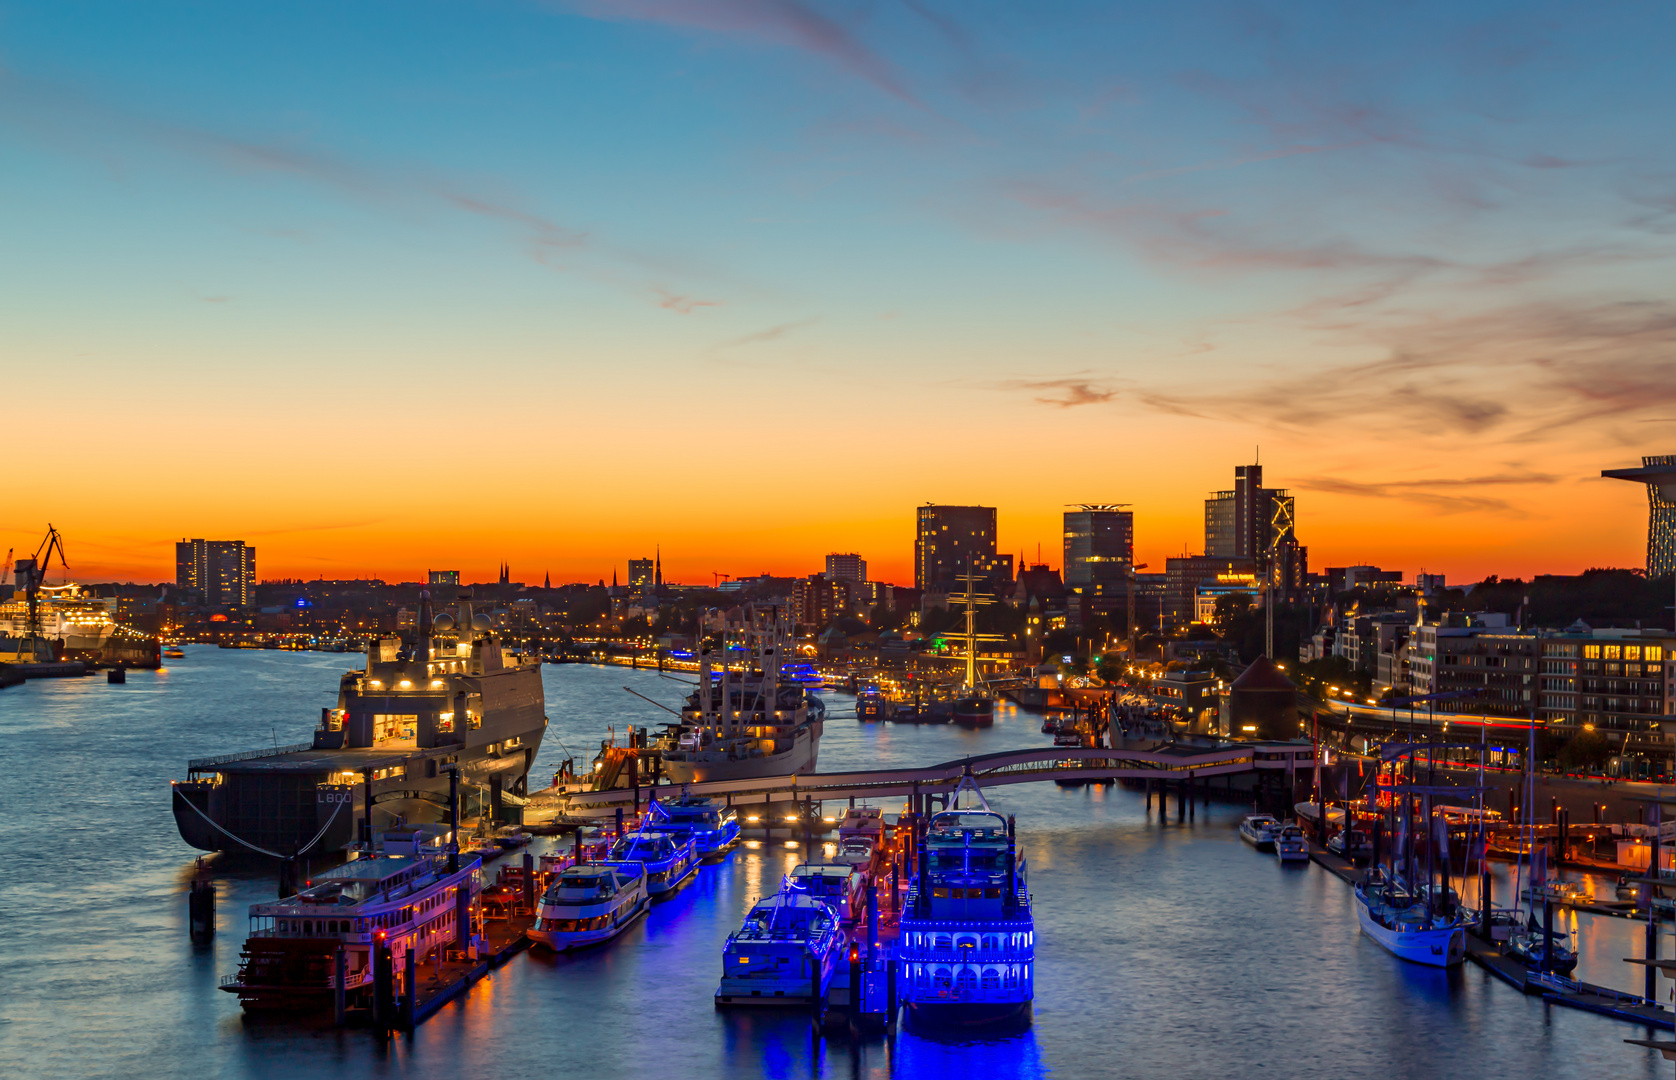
(842,886)
(410,903)
(966,951)
(711,826)
(1291,845)
(872,705)
(590,903)
(746,721)
(1259,831)
(1390,915)
(862,821)
(785,953)
(669,859)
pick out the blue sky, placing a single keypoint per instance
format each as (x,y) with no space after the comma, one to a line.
(1018,254)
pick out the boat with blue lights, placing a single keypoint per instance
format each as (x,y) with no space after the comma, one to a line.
(711,827)
(590,903)
(669,859)
(966,952)
(842,885)
(785,953)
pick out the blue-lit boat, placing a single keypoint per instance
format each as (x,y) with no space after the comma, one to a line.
(966,952)
(669,859)
(784,954)
(712,827)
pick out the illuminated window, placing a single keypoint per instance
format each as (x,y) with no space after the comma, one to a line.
(1653,653)
(1591,652)
(1614,652)
(1632,652)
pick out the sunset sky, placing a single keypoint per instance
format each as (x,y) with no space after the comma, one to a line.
(382,287)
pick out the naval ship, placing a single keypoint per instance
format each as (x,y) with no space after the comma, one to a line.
(448,697)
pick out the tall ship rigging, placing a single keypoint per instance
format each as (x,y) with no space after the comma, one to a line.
(448,698)
(974,704)
(746,718)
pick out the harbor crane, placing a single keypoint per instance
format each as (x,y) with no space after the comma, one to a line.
(31,574)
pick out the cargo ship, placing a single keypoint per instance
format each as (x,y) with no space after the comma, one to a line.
(447,699)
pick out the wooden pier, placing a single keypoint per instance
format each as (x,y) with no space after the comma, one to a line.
(448,979)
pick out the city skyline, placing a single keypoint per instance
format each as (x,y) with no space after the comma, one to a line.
(1125,248)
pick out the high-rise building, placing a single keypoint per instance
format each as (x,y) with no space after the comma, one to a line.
(1658,472)
(642,575)
(223,572)
(1099,552)
(817,600)
(846,567)
(950,539)
(442,577)
(1257,523)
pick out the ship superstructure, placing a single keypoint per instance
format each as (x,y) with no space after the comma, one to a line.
(966,954)
(449,698)
(746,718)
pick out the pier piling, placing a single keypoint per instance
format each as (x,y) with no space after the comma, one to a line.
(410,986)
(340,973)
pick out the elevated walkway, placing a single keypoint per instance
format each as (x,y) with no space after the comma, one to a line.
(1128,761)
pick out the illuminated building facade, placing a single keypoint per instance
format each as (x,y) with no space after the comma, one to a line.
(948,540)
(1658,472)
(846,567)
(223,572)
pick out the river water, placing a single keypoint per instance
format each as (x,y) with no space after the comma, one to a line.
(1164,949)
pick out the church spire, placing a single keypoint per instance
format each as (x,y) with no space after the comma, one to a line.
(657,572)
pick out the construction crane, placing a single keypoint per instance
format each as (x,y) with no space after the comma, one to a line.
(31,574)
(717,577)
(6,567)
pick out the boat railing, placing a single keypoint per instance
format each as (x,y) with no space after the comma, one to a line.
(200,764)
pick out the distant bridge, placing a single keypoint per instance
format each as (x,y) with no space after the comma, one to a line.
(1150,761)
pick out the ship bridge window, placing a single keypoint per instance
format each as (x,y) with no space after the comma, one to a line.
(967,943)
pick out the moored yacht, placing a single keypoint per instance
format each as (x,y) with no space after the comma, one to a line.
(590,903)
(1259,831)
(785,953)
(1290,844)
(669,860)
(966,951)
(842,886)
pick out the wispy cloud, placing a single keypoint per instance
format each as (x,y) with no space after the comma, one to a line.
(779,22)
(773,333)
(682,305)
(1064,393)
(1444,495)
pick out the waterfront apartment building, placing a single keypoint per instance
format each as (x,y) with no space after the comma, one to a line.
(818,601)
(1617,681)
(846,566)
(949,540)
(223,572)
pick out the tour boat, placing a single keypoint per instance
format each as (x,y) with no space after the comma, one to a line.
(1291,845)
(590,903)
(872,705)
(669,860)
(1259,830)
(856,851)
(965,955)
(408,903)
(842,886)
(1402,924)
(785,953)
(866,821)
(711,827)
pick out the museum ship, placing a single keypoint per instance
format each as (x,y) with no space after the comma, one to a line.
(448,698)
(746,719)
